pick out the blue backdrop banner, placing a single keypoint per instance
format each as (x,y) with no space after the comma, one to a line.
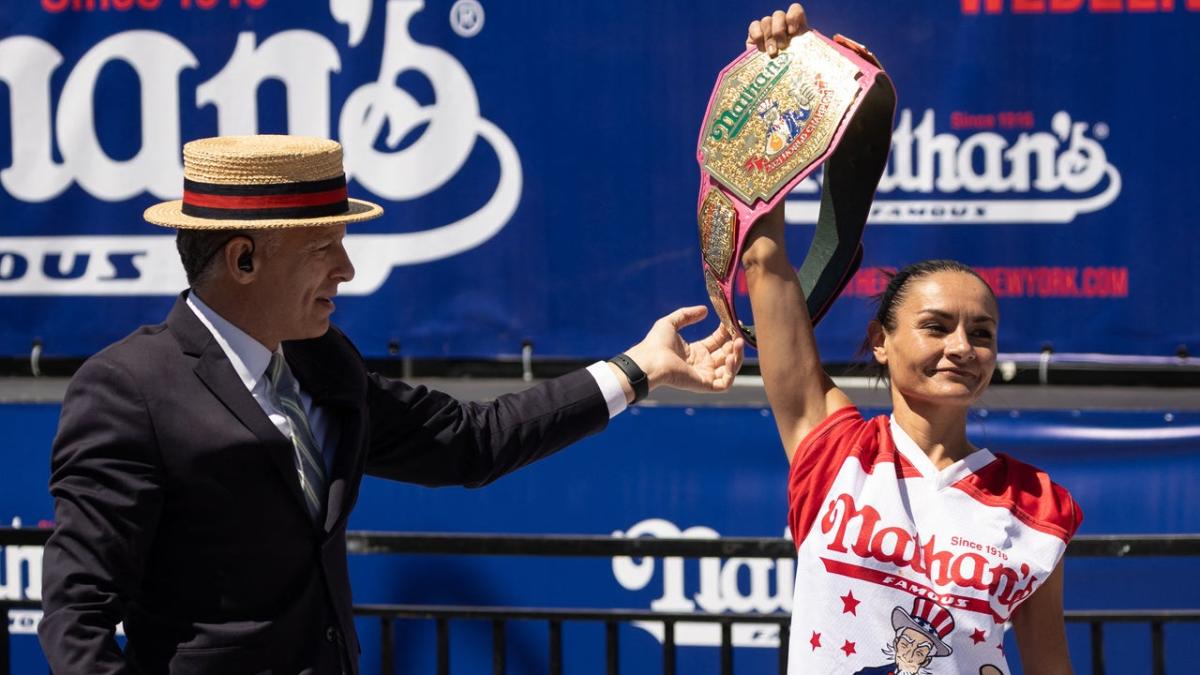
(537,161)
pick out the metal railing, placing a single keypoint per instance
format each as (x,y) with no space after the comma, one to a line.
(375,543)
(554,618)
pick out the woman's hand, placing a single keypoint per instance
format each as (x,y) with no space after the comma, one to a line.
(772,33)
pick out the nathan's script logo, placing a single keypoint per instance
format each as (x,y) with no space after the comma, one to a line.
(730,121)
(21,579)
(1047,177)
(987,582)
(770,119)
(305,63)
(710,585)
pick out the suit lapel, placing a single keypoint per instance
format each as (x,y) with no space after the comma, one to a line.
(333,376)
(217,373)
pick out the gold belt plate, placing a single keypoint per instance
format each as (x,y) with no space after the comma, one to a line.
(772,118)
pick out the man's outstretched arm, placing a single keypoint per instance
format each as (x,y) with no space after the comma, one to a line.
(428,437)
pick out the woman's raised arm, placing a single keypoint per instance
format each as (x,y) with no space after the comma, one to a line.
(801,394)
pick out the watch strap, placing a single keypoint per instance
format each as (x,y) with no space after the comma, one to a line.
(637,376)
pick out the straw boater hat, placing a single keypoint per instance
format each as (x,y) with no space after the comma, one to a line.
(262,182)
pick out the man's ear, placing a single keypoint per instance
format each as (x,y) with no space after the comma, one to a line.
(238,258)
(878,338)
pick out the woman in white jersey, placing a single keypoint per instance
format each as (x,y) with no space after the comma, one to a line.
(914,546)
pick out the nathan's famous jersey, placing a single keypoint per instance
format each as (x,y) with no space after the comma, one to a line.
(902,568)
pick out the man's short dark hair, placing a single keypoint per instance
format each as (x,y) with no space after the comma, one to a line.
(198,250)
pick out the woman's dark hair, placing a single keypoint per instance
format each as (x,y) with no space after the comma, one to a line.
(893,295)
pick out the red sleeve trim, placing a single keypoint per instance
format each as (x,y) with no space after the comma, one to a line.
(1028,493)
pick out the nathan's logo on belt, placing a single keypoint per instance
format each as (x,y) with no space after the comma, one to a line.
(397,146)
(1009,173)
(772,118)
(731,120)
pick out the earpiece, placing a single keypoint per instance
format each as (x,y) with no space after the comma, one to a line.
(245,261)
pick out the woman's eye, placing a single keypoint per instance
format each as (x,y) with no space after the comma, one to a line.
(935,327)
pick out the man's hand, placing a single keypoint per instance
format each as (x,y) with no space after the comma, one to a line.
(773,33)
(667,359)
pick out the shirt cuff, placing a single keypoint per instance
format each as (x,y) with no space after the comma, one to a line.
(610,388)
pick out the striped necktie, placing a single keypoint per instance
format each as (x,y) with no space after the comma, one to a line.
(310,463)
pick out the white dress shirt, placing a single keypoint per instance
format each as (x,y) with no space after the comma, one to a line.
(250,358)
(610,387)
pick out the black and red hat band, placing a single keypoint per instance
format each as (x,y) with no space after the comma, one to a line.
(311,199)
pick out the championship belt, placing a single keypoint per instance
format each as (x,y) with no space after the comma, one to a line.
(769,124)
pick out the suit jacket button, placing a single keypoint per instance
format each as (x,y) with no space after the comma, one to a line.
(330,634)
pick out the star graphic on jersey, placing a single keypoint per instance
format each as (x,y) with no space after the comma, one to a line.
(977,636)
(815,640)
(848,648)
(849,603)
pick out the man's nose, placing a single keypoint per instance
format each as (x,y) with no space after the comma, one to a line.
(344,271)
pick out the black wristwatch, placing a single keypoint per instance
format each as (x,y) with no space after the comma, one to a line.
(637,377)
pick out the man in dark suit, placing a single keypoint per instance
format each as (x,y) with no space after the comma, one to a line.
(205,467)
